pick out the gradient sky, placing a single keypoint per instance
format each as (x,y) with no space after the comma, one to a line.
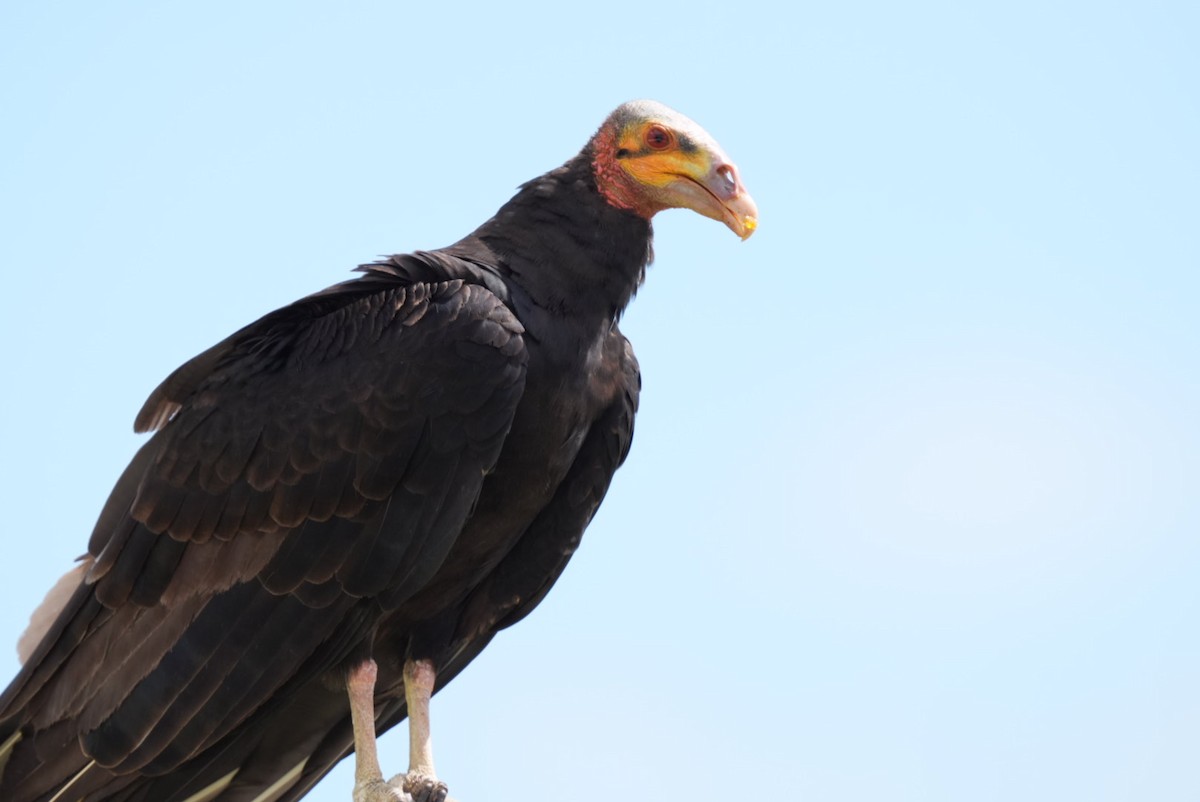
(912,508)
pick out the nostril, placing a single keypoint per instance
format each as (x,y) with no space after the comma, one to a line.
(727,173)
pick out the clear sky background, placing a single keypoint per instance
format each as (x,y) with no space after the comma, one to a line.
(912,510)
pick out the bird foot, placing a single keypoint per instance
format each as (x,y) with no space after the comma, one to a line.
(411,787)
(420,787)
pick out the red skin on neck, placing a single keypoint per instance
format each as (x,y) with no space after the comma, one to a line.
(617,186)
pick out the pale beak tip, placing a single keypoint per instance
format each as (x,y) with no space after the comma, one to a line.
(749,226)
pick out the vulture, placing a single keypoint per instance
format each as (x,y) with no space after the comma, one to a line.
(344,501)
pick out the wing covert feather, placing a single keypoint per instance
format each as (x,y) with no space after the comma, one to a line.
(297,425)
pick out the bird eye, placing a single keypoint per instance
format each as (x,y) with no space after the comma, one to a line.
(657,138)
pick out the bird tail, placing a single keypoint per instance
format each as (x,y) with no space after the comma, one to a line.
(273,757)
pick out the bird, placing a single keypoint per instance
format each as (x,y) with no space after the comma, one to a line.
(344,501)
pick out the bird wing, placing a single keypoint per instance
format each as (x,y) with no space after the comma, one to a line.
(316,458)
(526,574)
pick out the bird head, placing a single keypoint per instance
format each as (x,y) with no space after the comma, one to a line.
(647,157)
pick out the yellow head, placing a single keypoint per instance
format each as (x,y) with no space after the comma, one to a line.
(648,157)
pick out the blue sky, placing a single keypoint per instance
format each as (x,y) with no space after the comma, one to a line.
(912,510)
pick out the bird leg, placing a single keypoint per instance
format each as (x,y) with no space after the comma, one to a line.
(368,779)
(419,677)
(420,783)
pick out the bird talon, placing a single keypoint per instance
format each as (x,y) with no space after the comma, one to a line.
(411,787)
(420,787)
(379,791)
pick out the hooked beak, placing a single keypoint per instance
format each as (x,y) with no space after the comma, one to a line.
(720,195)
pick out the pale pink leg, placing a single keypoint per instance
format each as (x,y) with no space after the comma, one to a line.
(419,677)
(420,783)
(368,779)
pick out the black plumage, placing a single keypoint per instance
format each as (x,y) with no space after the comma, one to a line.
(393,468)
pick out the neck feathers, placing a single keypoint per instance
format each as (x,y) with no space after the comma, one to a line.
(572,250)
